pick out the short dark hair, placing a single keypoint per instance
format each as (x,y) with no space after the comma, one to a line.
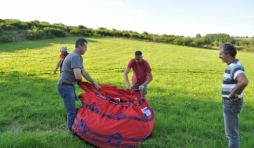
(228,49)
(80,42)
(138,53)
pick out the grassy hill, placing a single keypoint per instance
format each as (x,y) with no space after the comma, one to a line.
(185,92)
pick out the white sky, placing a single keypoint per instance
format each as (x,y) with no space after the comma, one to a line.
(172,17)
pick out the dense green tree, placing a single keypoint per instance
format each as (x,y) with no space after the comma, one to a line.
(178,41)
(125,34)
(187,41)
(81,27)
(198,36)
(198,42)
(116,33)
(221,37)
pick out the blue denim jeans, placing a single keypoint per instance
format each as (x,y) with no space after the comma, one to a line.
(68,95)
(231,111)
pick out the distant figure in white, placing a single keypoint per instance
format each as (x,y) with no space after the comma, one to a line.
(63,54)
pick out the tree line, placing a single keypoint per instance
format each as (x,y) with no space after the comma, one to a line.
(36,30)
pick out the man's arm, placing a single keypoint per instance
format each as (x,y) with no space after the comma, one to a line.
(86,75)
(58,65)
(125,76)
(242,82)
(149,79)
(77,74)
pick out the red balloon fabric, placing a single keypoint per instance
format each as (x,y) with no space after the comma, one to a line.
(113,117)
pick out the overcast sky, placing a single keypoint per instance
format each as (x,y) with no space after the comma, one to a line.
(172,17)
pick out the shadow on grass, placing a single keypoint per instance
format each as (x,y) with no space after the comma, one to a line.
(17,46)
(26,97)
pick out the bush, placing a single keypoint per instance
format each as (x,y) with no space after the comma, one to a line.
(30,35)
(58,33)
(22,25)
(9,27)
(87,34)
(75,31)
(239,48)
(50,36)
(54,31)
(34,34)
(6,38)
(97,35)
(1,31)
(208,46)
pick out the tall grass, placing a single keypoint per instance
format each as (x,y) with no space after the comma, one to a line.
(185,92)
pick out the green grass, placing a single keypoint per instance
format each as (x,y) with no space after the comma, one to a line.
(185,92)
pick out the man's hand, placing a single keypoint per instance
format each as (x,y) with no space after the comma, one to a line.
(233,97)
(141,87)
(55,70)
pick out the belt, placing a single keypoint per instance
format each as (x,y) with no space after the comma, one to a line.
(229,99)
(64,83)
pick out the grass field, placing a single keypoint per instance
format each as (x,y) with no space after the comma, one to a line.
(185,92)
